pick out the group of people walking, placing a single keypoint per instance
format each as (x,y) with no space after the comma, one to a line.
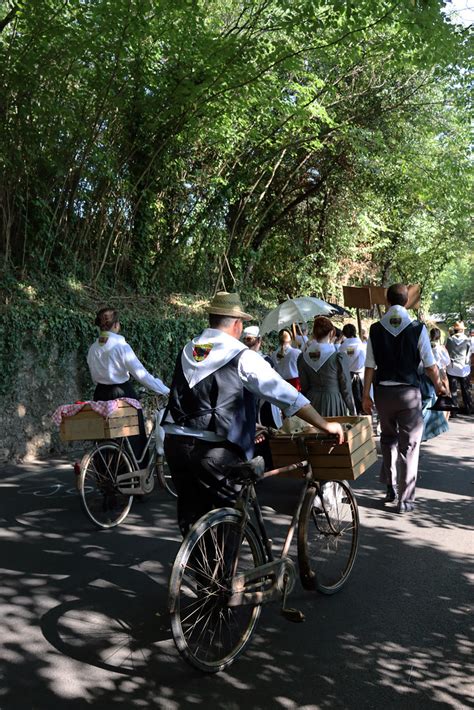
(223,384)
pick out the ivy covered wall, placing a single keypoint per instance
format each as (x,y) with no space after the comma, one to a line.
(43,352)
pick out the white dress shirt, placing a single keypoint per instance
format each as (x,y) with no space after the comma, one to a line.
(256,375)
(113,362)
(302,341)
(355,350)
(441,355)
(424,345)
(286,366)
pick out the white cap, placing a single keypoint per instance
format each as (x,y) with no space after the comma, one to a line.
(251,331)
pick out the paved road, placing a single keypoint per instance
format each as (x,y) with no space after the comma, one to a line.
(83,613)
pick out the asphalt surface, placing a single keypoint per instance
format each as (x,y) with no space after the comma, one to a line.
(83,616)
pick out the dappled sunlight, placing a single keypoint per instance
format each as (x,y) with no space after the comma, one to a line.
(84,611)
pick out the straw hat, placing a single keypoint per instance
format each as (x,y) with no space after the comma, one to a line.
(228,304)
(459,325)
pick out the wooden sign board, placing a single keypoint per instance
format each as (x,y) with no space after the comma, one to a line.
(414,295)
(367,296)
(357,297)
(378,295)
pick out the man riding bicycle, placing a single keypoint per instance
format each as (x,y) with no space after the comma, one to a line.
(210,422)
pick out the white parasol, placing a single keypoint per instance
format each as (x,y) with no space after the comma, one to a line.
(295,310)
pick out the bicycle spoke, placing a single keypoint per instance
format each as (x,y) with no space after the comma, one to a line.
(327,540)
(101,499)
(207,631)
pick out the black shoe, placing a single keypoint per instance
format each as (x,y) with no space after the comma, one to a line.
(405,507)
(390,495)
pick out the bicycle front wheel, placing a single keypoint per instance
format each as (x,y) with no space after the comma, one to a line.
(209,633)
(101,500)
(328,535)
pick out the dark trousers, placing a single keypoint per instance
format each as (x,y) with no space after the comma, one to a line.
(401,423)
(198,469)
(357,391)
(465,384)
(104,393)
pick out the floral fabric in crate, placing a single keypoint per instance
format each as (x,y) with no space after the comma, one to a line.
(105,409)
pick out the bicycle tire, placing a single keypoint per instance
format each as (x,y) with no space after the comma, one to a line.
(202,624)
(101,500)
(328,536)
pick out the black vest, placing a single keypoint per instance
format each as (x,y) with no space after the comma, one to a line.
(397,357)
(218,403)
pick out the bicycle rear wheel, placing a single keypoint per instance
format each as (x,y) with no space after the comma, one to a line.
(328,535)
(208,633)
(101,500)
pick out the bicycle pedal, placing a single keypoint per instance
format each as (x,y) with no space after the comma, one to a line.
(294,615)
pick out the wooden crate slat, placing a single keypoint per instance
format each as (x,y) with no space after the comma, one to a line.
(362,452)
(350,474)
(123,431)
(121,421)
(89,425)
(330,461)
(127,411)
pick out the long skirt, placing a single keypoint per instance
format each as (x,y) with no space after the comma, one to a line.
(434,423)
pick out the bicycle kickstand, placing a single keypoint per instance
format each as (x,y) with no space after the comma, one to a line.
(290,613)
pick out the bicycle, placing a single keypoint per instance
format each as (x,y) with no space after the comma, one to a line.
(111,476)
(225,568)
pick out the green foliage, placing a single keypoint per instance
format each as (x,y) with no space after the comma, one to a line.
(59,324)
(454,293)
(291,146)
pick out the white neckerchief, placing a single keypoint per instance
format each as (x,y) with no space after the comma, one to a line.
(396,320)
(207,353)
(459,337)
(112,340)
(316,354)
(355,351)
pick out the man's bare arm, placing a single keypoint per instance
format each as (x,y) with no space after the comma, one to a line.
(367,401)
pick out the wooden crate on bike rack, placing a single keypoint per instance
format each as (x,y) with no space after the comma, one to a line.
(329,461)
(87,424)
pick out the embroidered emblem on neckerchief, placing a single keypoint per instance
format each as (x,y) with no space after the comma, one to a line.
(201,351)
(396,321)
(350,351)
(315,354)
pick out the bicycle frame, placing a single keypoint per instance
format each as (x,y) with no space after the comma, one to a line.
(127,482)
(281,569)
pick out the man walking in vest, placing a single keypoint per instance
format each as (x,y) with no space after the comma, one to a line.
(396,347)
(458,346)
(210,420)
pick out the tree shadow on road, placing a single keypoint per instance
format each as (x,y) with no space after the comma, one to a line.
(85,623)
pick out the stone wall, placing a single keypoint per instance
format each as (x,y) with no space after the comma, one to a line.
(26,429)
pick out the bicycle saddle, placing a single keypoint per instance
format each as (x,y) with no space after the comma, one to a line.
(251,470)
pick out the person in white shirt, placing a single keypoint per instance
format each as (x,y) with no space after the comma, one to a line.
(210,422)
(285,359)
(356,351)
(112,362)
(395,347)
(268,415)
(301,338)
(440,353)
(459,368)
